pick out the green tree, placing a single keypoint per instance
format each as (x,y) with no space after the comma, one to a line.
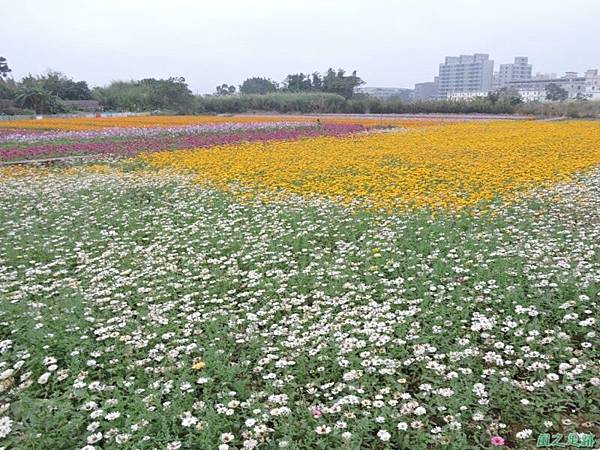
(38,99)
(317,82)
(340,83)
(172,93)
(298,82)
(59,85)
(258,85)
(7,91)
(225,89)
(147,94)
(4,69)
(505,95)
(556,93)
(493,97)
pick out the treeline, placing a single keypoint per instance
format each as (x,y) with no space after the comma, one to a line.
(149,94)
(332,92)
(333,103)
(39,94)
(54,92)
(332,82)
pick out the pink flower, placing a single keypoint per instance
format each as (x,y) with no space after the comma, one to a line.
(497,441)
(316,413)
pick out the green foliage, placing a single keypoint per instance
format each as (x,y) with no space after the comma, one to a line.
(556,93)
(59,85)
(340,83)
(225,89)
(13,111)
(145,95)
(7,88)
(587,109)
(335,82)
(299,82)
(314,102)
(38,99)
(258,85)
(4,69)
(7,85)
(280,102)
(505,95)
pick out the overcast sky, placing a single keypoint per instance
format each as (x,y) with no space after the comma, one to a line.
(389,43)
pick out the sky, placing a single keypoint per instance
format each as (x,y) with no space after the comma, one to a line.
(389,43)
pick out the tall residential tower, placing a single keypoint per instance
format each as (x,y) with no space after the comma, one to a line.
(519,70)
(465,73)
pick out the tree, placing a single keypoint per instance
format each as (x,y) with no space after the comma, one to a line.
(38,99)
(172,93)
(317,81)
(493,97)
(556,93)
(298,82)
(332,82)
(147,94)
(505,95)
(59,85)
(7,89)
(340,83)
(258,85)
(4,69)
(7,85)
(225,89)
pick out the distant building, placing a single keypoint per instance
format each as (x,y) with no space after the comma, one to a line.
(545,76)
(519,70)
(385,93)
(592,84)
(466,95)
(534,89)
(465,73)
(83,105)
(533,92)
(427,90)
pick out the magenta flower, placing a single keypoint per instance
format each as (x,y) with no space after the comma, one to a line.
(132,141)
(316,413)
(497,441)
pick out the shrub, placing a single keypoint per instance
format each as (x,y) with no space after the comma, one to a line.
(279,102)
(14,111)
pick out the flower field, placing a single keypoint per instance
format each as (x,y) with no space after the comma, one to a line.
(238,284)
(121,142)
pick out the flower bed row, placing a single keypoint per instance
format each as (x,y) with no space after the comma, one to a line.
(131,141)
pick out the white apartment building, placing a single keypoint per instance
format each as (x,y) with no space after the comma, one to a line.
(427,90)
(592,84)
(386,92)
(519,70)
(465,73)
(466,95)
(534,89)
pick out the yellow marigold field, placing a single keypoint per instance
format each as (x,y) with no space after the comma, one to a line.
(93,123)
(450,166)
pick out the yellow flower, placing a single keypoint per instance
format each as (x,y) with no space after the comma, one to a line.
(450,166)
(198,365)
